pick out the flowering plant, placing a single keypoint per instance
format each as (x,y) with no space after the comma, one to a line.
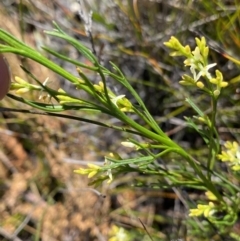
(148,141)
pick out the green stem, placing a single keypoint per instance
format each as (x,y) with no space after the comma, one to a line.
(208,183)
(213,146)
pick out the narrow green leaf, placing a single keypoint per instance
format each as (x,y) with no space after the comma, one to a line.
(63,57)
(80,47)
(192,104)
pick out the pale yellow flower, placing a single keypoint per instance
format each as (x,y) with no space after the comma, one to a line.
(231,154)
(91,171)
(205,210)
(118,234)
(210,196)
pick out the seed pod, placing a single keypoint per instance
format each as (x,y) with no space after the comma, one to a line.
(5,77)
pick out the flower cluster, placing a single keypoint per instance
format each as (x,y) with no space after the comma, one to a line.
(21,86)
(118,234)
(120,101)
(64,99)
(231,155)
(197,60)
(217,212)
(103,171)
(91,171)
(205,210)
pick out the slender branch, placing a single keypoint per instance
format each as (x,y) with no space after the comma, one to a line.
(37,112)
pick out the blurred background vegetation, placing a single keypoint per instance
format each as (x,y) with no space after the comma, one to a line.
(40,196)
